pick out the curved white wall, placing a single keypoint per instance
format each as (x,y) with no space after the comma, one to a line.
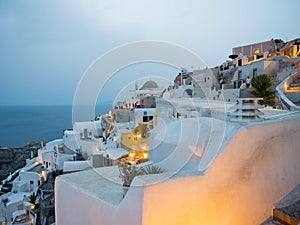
(76,206)
(256,169)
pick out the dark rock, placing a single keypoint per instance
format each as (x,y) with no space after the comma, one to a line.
(6,155)
(12,159)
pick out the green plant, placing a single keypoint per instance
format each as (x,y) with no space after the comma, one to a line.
(128,172)
(32,198)
(263,88)
(153,169)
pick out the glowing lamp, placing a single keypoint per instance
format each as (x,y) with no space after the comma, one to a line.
(285,86)
(146,155)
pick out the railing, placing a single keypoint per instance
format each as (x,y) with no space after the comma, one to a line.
(281,89)
(50,145)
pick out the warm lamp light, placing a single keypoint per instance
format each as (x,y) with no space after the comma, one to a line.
(146,155)
(285,86)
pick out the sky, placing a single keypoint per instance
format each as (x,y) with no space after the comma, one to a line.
(46,46)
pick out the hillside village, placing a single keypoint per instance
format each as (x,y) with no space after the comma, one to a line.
(85,162)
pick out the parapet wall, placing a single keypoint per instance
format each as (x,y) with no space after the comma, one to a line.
(93,202)
(257,168)
(281,89)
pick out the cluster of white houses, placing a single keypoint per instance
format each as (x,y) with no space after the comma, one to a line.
(211,163)
(183,128)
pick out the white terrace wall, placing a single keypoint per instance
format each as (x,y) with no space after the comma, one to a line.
(77,207)
(258,167)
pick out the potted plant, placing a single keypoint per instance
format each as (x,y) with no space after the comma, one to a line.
(153,169)
(128,172)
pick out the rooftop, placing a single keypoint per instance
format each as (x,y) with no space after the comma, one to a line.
(219,108)
(149,85)
(103,183)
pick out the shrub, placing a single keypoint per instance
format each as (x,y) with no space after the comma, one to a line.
(263,88)
(128,172)
(153,169)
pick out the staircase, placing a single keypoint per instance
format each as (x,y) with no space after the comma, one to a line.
(289,215)
(295,85)
(293,90)
(287,210)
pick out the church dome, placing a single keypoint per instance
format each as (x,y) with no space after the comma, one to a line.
(149,85)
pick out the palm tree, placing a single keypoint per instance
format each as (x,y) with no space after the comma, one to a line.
(128,173)
(32,198)
(153,169)
(263,88)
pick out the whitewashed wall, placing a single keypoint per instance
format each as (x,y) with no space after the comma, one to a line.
(256,169)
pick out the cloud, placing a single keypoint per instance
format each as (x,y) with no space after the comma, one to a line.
(49,42)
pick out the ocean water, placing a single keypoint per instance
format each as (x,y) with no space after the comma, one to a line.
(22,124)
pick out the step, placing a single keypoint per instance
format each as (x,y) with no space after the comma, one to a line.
(294,85)
(282,216)
(293,88)
(293,96)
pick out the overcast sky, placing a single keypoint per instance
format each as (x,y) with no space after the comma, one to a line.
(46,46)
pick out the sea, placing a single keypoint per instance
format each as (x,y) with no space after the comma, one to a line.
(20,125)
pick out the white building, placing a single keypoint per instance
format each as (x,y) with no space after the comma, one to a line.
(14,205)
(253,70)
(54,154)
(221,172)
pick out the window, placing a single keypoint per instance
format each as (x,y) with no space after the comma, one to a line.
(256,51)
(31,182)
(147,118)
(240,62)
(254,72)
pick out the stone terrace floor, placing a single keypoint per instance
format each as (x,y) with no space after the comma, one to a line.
(103,183)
